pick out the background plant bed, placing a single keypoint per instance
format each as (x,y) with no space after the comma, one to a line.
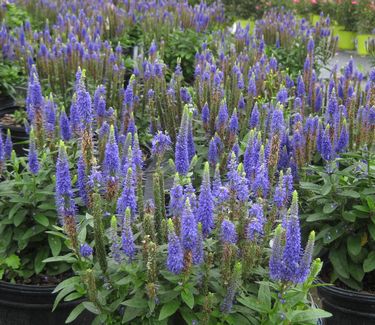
(347,307)
(30,305)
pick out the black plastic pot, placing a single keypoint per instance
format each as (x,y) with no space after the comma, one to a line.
(18,134)
(6,102)
(32,305)
(347,307)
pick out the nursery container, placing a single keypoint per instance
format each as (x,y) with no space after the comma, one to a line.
(245,22)
(346,40)
(362,40)
(32,305)
(315,19)
(6,102)
(336,29)
(18,133)
(347,307)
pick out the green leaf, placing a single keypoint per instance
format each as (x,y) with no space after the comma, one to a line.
(369,263)
(47,206)
(329,207)
(68,282)
(43,220)
(339,261)
(350,193)
(131,313)
(32,232)
(309,315)
(356,271)
(188,297)
(64,292)
(91,307)
(13,210)
(370,203)
(264,295)
(136,302)
(39,259)
(326,189)
(19,217)
(252,303)
(55,244)
(169,309)
(75,313)
(66,258)
(73,296)
(354,245)
(188,315)
(349,216)
(371,229)
(13,261)
(311,186)
(361,208)
(316,216)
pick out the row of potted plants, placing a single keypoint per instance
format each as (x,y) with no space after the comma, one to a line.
(354,21)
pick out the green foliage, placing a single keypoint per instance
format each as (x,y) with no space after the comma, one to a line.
(339,204)
(141,291)
(283,304)
(346,15)
(183,44)
(20,116)
(245,8)
(27,209)
(15,15)
(366,14)
(9,264)
(11,76)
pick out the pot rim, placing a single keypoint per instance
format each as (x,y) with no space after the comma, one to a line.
(26,287)
(363,296)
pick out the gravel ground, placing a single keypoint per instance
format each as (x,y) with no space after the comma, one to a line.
(341,59)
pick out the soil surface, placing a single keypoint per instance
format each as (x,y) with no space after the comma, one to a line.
(41,279)
(8,119)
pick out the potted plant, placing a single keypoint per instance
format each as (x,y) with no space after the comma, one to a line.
(303,8)
(341,208)
(28,236)
(181,265)
(365,25)
(346,15)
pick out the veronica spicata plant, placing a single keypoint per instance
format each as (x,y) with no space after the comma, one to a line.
(28,217)
(340,207)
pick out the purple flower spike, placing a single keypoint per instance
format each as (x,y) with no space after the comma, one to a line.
(228,232)
(127,237)
(85,250)
(257,221)
(189,228)
(205,212)
(160,144)
(111,163)
(64,194)
(175,259)
(8,146)
(33,155)
(181,152)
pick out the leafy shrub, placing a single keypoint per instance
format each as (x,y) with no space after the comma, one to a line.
(346,14)
(28,222)
(183,44)
(341,208)
(366,14)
